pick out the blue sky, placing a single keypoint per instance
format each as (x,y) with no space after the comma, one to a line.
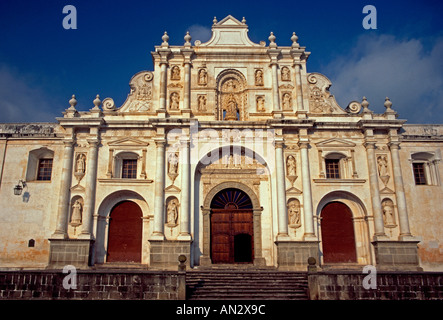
(42,64)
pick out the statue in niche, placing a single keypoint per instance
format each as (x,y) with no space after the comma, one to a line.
(231,110)
(174,101)
(172,212)
(173,163)
(202,77)
(291,169)
(287,101)
(294,213)
(382,163)
(291,166)
(260,104)
(201,103)
(80,164)
(230,86)
(76,216)
(175,73)
(285,74)
(388,213)
(259,77)
(382,166)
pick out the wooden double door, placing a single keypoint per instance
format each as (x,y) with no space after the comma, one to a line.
(338,237)
(232,237)
(125,233)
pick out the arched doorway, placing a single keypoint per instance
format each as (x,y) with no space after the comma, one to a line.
(337,231)
(125,233)
(232,234)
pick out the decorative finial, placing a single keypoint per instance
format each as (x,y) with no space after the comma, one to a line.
(214,21)
(73,102)
(243,20)
(165,39)
(188,39)
(388,104)
(97,102)
(294,39)
(365,105)
(272,40)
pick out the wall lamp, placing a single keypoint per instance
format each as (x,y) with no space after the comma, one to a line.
(19,188)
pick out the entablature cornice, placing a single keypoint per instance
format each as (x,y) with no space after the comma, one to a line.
(381,124)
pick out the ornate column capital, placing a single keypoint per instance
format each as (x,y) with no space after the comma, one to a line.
(369,145)
(303,144)
(69,142)
(93,142)
(279,144)
(160,142)
(394,145)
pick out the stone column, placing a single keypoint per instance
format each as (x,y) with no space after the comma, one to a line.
(187,53)
(298,84)
(205,258)
(307,193)
(159,214)
(275,93)
(379,232)
(110,163)
(163,83)
(187,87)
(281,191)
(405,233)
(91,182)
(143,172)
(185,191)
(65,191)
(273,53)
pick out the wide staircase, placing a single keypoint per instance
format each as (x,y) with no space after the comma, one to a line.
(228,283)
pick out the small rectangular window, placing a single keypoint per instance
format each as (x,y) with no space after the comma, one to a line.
(419,173)
(129,169)
(44,169)
(332,168)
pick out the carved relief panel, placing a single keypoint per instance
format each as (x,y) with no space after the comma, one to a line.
(231,96)
(202,77)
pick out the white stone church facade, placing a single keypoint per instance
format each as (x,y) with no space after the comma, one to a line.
(229,152)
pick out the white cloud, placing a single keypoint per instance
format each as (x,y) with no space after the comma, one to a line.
(380,66)
(199,32)
(21,100)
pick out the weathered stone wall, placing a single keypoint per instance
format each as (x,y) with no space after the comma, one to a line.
(389,286)
(92,285)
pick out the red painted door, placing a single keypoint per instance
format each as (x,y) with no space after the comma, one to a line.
(337,230)
(125,233)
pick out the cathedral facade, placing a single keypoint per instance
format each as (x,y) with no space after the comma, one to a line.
(228,152)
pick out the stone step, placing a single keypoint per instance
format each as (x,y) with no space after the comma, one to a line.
(238,283)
